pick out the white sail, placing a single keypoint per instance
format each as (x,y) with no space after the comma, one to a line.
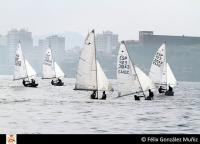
(145,81)
(19,67)
(22,67)
(158,69)
(48,70)
(103,83)
(30,71)
(126,73)
(58,71)
(86,75)
(171,80)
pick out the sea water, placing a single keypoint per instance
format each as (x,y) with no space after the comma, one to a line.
(49,109)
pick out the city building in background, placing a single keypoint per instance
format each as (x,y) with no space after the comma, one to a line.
(183,53)
(13,37)
(57,44)
(107,42)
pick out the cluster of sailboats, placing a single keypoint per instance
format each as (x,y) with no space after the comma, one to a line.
(24,71)
(91,77)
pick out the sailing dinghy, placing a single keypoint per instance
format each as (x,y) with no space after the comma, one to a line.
(90,76)
(51,70)
(23,70)
(132,80)
(160,71)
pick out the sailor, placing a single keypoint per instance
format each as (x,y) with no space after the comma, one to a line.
(52,82)
(24,82)
(151,95)
(93,95)
(32,81)
(104,95)
(161,89)
(59,81)
(136,97)
(170,89)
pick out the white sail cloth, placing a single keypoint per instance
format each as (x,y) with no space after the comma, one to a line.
(89,75)
(131,79)
(22,68)
(51,69)
(160,71)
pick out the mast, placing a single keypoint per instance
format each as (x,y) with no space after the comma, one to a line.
(52,60)
(24,62)
(166,63)
(134,68)
(95,61)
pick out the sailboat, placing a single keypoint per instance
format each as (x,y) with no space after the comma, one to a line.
(160,71)
(51,70)
(23,70)
(90,76)
(132,80)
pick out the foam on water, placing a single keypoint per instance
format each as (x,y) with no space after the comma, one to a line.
(50,109)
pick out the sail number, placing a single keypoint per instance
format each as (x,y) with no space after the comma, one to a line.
(17,60)
(48,60)
(158,60)
(123,66)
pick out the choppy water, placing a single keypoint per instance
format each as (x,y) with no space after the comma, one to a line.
(49,109)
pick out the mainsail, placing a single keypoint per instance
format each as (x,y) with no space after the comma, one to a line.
(130,78)
(22,68)
(48,71)
(86,75)
(89,75)
(51,69)
(160,72)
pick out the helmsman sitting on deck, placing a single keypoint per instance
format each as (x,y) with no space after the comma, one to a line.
(136,97)
(161,89)
(57,82)
(29,84)
(93,95)
(104,95)
(151,95)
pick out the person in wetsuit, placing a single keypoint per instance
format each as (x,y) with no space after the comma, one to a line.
(151,95)
(161,89)
(104,95)
(93,95)
(136,97)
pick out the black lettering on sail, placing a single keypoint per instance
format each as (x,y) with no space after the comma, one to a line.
(17,60)
(47,60)
(123,65)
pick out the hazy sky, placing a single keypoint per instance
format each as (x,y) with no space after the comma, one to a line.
(125,17)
